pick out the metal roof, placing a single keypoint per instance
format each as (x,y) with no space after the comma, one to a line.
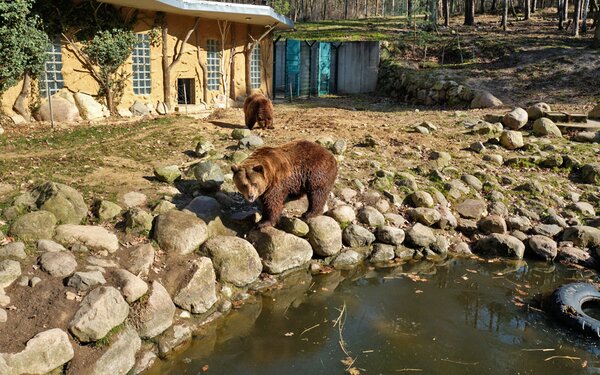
(243,13)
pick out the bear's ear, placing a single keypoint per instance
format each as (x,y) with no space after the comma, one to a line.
(235,168)
(258,169)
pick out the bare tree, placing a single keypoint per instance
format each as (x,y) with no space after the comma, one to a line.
(527,6)
(248,48)
(596,42)
(576,16)
(19,106)
(469,12)
(446,6)
(504,14)
(586,5)
(179,50)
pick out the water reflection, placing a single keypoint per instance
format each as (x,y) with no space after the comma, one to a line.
(456,317)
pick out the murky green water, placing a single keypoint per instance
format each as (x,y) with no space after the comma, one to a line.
(459,317)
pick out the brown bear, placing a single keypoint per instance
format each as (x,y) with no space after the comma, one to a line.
(258,108)
(274,174)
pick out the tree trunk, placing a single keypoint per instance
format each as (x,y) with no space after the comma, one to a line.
(493,10)
(533,6)
(408,8)
(565,10)
(504,14)
(482,7)
(366,8)
(433,11)
(165,65)
(527,5)
(596,42)
(446,6)
(469,12)
(110,102)
(586,5)
(346,9)
(19,106)
(576,14)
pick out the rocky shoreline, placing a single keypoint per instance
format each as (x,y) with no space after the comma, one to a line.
(108,287)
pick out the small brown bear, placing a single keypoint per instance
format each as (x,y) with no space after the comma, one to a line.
(258,108)
(274,174)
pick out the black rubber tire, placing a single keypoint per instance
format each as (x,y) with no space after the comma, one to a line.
(566,304)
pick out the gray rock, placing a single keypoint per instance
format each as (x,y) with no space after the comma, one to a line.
(521,223)
(209,210)
(49,246)
(467,227)
(515,119)
(339,147)
(462,248)
(347,194)
(590,173)
(478,147)
(370,216)
(472,209)
(294,226)
(511,139)
(421,198)
(483,99)
(419,236)
(347,259)
(167,173)
(394,219)
(89,108)
(120,356)
(203,148)
(131,286)
(325,235)
(456,189)
(543,247)
(549,230)
(34,226)
(10,270)
(472,181)
(238,156)
(500,245)
(100,262)
(582,235)
(238,134)
(494,158)
(34,281)
(138,221)
(107,210)
(13,250)
(83,281)
(439,159)
(155,315)
(93,237)
(486,128)
(390,235)
(407,180)
(498,208)
(197,294)
(3,319)
(342,214)
(209,175)
(63,201)
(583,208)
(140,259)
(163,206)
(447,218)
(134,199)
(573,255)
(492,224)
(425,216)
(144,362)
(235,259)
(357,236)
(382,253)
(552,161)
(251,142)
(280,251)
(587,137)
(180,232)
(404,253)
(58,264)
(139,109)
(45,352)
(100,311)
(173,338)
(537,111)
(545,127)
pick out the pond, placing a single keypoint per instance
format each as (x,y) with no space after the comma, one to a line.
(463,316)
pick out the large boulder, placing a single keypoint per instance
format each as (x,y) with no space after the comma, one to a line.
(500,245)
(58,264)
(546,127)
(543,247)
(155,315)
(63,201)
(209,210)
(537,111)
(515,119)
(10,270)
(325,235)
(511,139)
(419,236)
(198,294)
(590,173)
(100,311)
(595,113)
(209,175)
(120,356)
(235,259)
(83,281)
(280,251)
(62,110)
(88,107)
(131,286)
(390,235)
(179,232)
(34,226)
(472,209)
(357,236)
(371,216)
(139,109)
(581,235)
(167,173)
(484,99)
(140,259)
(44,353)
(91,236)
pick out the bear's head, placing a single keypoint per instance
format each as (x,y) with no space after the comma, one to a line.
(250,179)
(265,119)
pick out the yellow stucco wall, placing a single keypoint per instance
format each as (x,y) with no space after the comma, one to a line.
(77,79)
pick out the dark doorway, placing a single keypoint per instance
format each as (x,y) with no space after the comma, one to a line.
(186,91)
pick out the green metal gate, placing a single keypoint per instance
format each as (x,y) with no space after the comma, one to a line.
(292,68)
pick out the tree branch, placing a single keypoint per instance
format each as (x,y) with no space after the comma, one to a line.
(85,60)
(187,37)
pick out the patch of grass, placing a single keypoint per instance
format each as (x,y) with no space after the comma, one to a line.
(107,340)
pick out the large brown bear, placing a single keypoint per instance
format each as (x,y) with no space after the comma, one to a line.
(274,174)
(258,108)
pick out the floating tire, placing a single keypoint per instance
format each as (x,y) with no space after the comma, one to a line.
(567,302)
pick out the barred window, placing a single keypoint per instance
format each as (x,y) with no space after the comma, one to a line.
(142,84)
(213,62)
(255,68)
(52,79)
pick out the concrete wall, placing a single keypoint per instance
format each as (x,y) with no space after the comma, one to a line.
(77,79)
(358,66)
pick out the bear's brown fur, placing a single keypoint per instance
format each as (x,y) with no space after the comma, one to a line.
(258,108)
(274,174)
